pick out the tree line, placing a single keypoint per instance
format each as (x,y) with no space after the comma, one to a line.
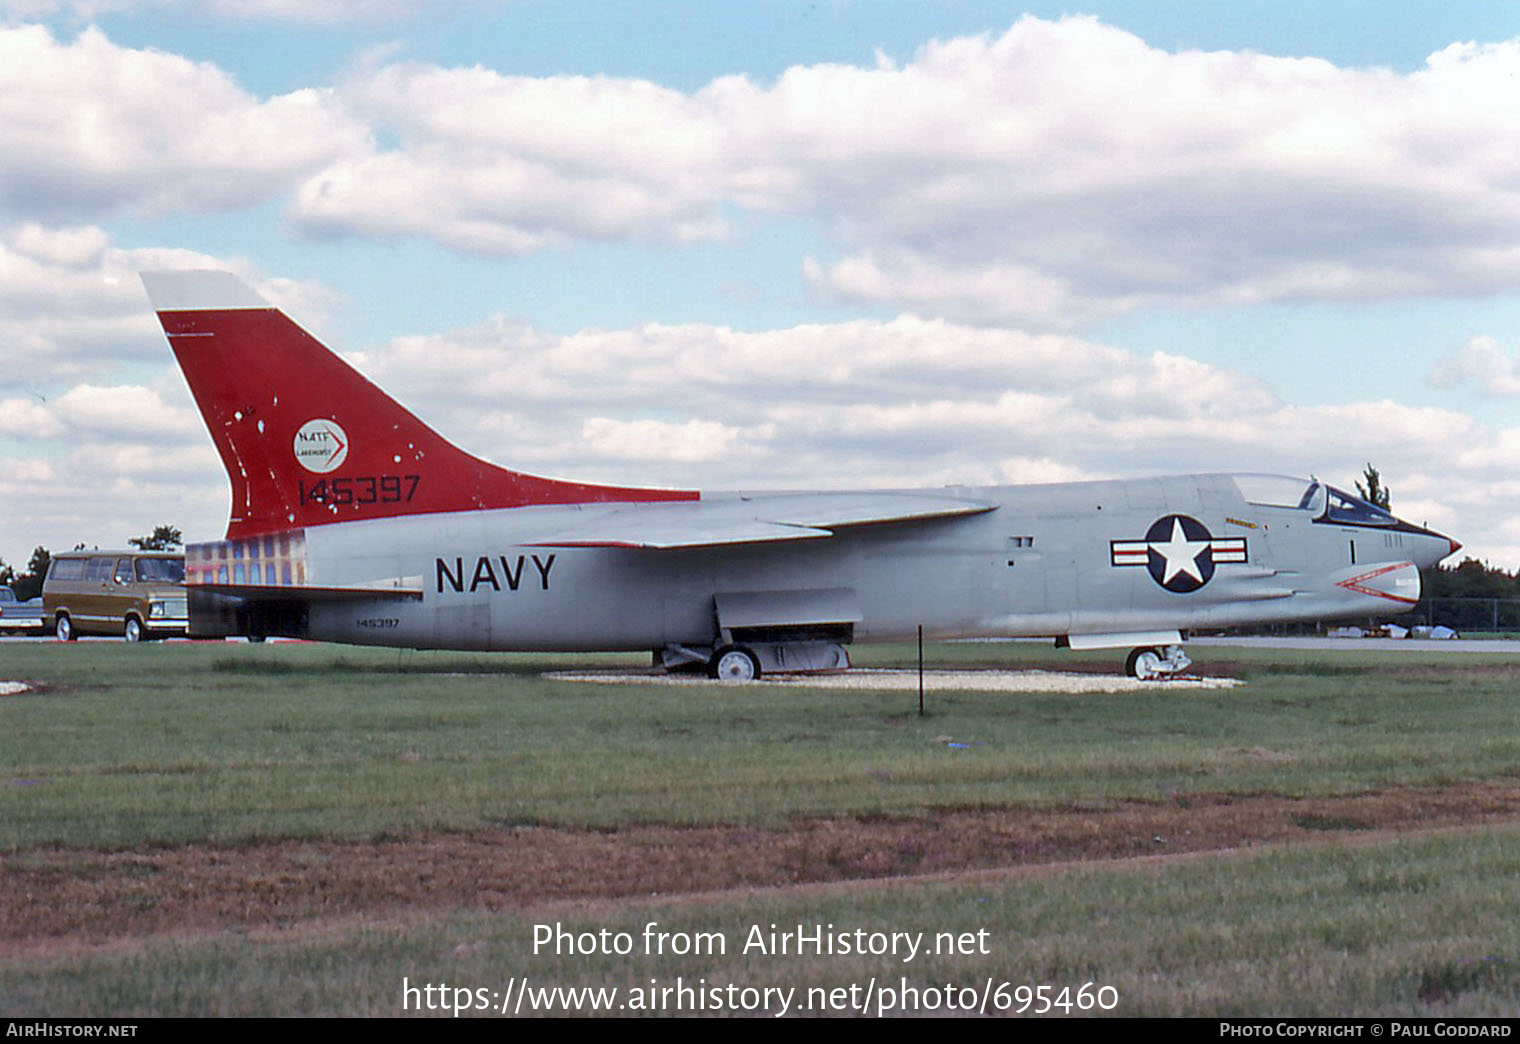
(1463,597)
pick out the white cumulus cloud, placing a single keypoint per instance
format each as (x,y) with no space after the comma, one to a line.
(1480,363)
(93,128)
(1057,172)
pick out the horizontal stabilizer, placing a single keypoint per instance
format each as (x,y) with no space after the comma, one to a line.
(401,588)
(755,519)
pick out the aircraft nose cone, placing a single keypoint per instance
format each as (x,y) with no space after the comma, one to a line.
(1452,546)
(1430,547)
(1438,546)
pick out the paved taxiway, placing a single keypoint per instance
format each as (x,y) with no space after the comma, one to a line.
(1395,645)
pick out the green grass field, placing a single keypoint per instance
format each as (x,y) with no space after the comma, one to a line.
(234,748)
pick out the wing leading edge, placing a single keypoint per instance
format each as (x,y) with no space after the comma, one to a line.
(758,519)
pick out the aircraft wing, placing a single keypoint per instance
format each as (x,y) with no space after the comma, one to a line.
(758,519)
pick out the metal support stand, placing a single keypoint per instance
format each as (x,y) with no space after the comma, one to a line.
(920,670)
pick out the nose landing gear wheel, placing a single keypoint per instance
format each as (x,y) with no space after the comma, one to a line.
(734,663)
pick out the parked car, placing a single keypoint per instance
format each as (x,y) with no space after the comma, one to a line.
(135,594)
(17,616)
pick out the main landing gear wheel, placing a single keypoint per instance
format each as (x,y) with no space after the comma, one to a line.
(1149,663)
(1143,664)
(734,663)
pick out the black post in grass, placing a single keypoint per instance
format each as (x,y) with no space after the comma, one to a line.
(920,670)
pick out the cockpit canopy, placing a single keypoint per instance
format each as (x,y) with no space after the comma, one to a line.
(1355,511)
(1314,497)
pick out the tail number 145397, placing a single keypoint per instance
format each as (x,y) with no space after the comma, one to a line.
(361,489)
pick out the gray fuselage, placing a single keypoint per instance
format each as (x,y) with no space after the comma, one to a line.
(1046,560)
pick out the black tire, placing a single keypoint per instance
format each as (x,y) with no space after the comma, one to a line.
(734,663)
(63,629)
(133,631)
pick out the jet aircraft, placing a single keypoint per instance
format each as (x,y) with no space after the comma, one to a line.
(352,521)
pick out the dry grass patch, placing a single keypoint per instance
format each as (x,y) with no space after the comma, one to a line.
(64,898)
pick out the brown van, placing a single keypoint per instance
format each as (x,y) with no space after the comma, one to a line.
(138,595)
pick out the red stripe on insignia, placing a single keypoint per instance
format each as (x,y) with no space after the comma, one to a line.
(1229,549)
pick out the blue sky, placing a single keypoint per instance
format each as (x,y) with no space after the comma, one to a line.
(686,43)
(786,244)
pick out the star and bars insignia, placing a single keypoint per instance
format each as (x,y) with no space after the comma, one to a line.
(1179,551)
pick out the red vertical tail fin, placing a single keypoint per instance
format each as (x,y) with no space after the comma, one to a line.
(306,439)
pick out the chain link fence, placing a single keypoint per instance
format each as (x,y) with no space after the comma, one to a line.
(1466,615)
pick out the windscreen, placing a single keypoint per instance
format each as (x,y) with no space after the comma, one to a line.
(1357,512)
(161,570)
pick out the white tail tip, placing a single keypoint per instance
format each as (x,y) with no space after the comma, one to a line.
(197,291)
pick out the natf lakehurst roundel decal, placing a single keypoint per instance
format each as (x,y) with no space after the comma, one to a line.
(321,445)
